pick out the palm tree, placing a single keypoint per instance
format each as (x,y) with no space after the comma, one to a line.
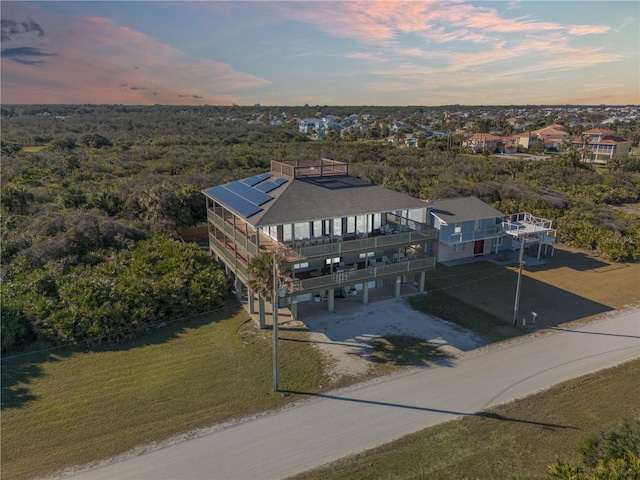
(260,270)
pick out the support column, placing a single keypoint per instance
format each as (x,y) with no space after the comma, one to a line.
(540,245)
(421,282)
(261,315)
(238,285)
(398,283)
(331,301)
(252,302)
(294,308)
(365,293)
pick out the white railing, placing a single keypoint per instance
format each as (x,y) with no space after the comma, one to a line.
(462,237)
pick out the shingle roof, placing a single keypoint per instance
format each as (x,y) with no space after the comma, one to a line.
(462,209)
(317,198)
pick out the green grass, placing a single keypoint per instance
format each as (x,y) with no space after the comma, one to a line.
(65,408)
(33,149)
(517,440)
(439,303)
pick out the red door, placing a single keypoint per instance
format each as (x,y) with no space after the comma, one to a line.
(478,247)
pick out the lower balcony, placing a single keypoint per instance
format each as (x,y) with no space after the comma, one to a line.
(361,272)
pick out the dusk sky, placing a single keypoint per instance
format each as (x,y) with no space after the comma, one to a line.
(321,53)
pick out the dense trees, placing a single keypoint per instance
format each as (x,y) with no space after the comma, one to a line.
(83,187)
(112,296)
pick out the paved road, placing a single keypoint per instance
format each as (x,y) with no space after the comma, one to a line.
(330,427)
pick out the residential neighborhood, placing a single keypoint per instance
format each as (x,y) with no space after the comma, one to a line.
(497,130)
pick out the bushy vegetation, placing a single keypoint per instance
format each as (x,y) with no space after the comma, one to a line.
(613,454)
(110,298)
(82,186)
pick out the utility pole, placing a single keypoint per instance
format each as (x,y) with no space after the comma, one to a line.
(274,303)
(517,304)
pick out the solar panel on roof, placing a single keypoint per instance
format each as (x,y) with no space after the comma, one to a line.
(251,181)
(267,186)
(264,176)
(234,201)
(280,181)
(249,193)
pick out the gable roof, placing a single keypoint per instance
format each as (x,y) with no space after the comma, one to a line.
(462,209)
(599,131)
(317,198)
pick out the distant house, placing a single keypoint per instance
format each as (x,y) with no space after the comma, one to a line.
(526,139)
(310,123)
(399,126)
(480,142)
(319,125)
(552,136)
(600,145)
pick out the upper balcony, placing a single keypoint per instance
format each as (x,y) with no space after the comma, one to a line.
(400,231)
(463,237)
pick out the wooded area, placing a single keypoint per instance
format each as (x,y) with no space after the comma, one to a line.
(92,198)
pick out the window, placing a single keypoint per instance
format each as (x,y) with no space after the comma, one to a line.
(377,221)
(301,230)
(329,261)
(317,228)
(457,227)
(478,225)
(458,247)
(351,224)
(287,233)
(337,227)
(361,223)
(497,242)
(298,266)
(367,254)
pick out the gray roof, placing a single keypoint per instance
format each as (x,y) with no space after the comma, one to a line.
(463,209)
(317,198)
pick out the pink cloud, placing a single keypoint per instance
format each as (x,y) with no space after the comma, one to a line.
(95,58)
(588,29)
(439,21)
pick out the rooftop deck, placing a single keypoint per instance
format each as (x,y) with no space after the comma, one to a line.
(526,225)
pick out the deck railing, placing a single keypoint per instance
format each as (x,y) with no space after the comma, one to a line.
(364,244)
(235,263)
(363,275)
(487,233)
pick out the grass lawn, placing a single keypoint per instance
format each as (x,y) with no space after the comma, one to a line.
(517,440)
(572,286)
(62,408)
(33,149)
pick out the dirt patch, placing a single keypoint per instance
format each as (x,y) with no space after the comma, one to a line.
(346,339)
